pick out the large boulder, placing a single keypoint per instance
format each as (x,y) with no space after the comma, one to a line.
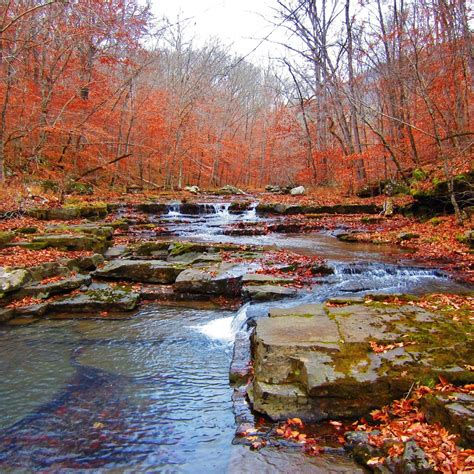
(95,300)
(273,188)
(229,189)
(147,271)
(316,361)
(192,189)
(217,280)
(437,200)
(298,191)
(12,279)
(65,285)
(91,211)
(73,241)
(6,237)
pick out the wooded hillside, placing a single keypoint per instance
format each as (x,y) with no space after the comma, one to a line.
(100,92)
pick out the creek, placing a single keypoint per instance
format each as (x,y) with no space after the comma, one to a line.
(152,393)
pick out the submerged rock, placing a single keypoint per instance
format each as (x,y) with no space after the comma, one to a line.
(147,271)
(6,314)
(315,361)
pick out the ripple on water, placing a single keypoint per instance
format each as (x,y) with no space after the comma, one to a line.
(33,368)
(133,394)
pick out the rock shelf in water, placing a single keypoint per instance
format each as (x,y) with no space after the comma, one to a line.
(315,361)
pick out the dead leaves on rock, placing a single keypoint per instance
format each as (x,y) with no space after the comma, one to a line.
(403,421)
(383,348)
(21,257)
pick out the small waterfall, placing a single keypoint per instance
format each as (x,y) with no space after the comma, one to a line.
(383,270)
(121,211)
(225,329)
(239,319)
(251,213)
(221,209)
(207,208)
(360,277)
(173,209)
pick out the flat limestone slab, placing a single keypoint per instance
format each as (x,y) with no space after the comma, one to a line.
(319,361)
(221,279)
(63,286)
(267,292)
(304,310)
(297,331)
(147,271)
(262,279)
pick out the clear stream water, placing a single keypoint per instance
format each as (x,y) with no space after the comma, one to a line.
(151,394)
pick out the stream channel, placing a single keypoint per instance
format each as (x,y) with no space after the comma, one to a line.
(152,393)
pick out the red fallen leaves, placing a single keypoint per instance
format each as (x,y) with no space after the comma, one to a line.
(322,197)
(20,257)
(26,301)
(291,430)
(282,263)
(297,266)
(438,244)
(458,307)
(403,421)
(455,304)
(46,281)
(383,348)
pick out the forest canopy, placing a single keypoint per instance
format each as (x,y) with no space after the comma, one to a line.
(102,93)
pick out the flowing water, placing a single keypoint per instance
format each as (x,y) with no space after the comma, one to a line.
(151,394)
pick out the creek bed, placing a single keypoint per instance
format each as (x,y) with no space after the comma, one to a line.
(152,393)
